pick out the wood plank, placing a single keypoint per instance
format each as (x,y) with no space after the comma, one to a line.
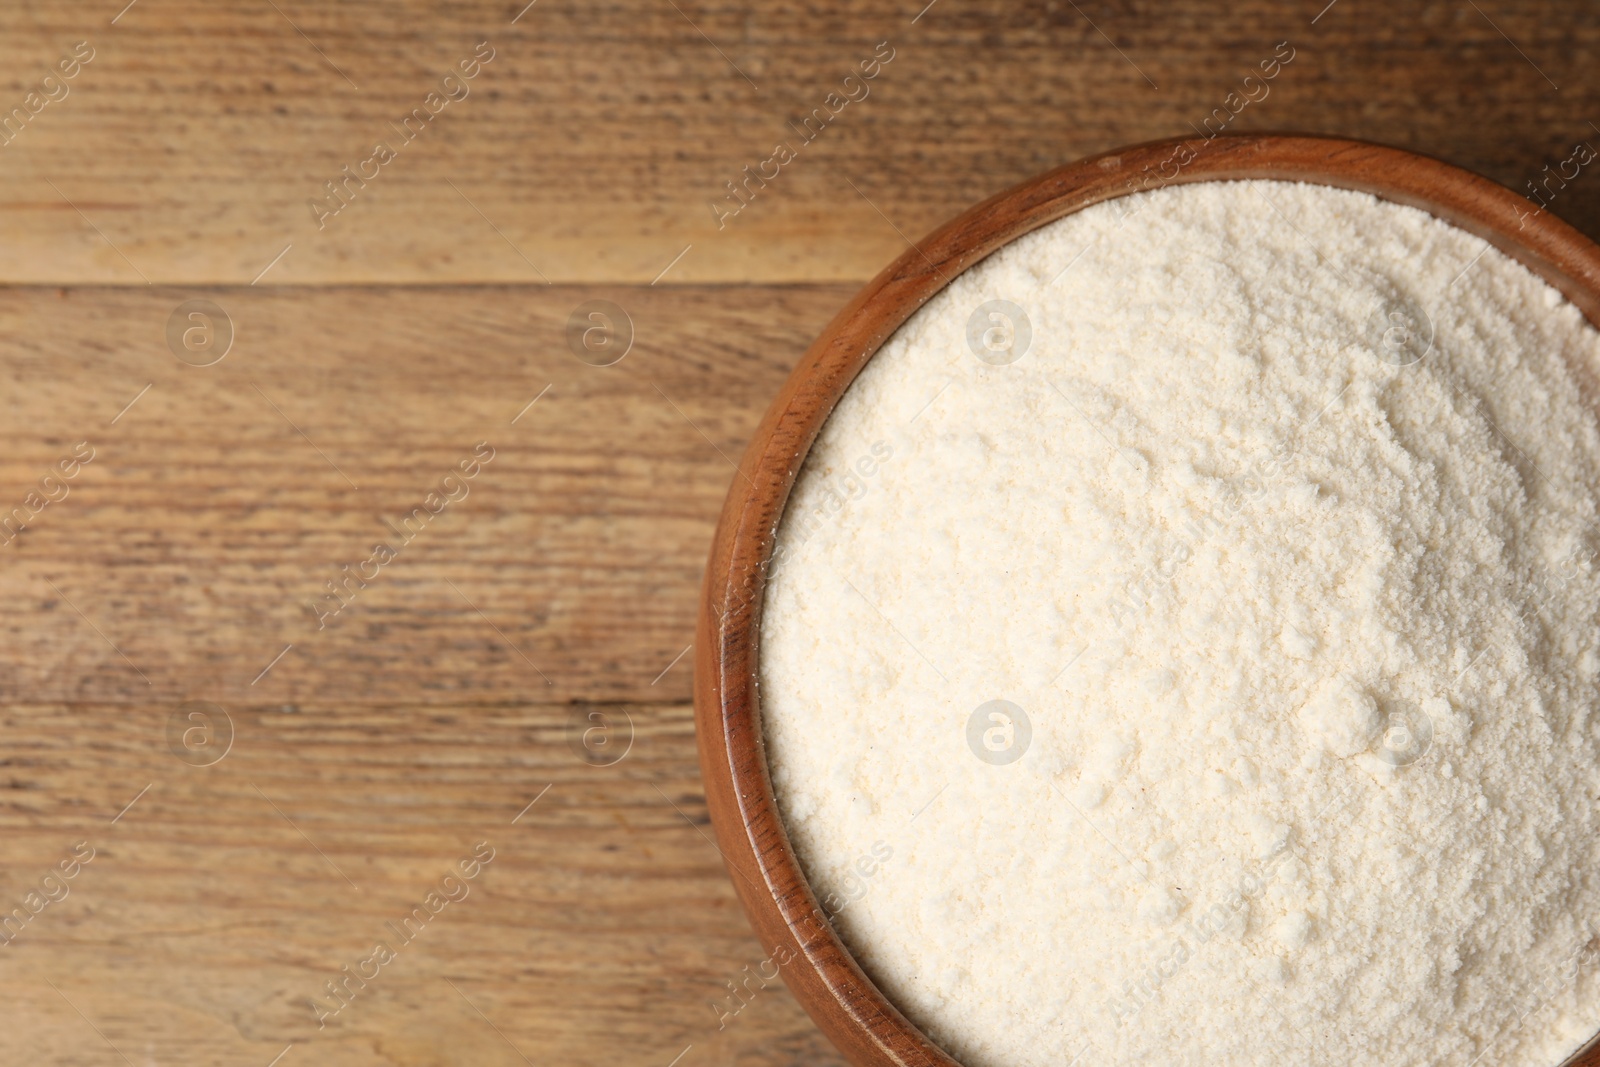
(591,146)
(226,897)
(216,510)
(386,746)
(382,748)
(408,729)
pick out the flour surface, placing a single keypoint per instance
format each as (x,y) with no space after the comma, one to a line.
(1281,534)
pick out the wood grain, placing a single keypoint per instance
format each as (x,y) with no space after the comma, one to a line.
(218,905)
(825,977)
(215,510)
(411,727)
(589,148)
(417,322)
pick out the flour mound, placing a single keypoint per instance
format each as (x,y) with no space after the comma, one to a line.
(1272,510)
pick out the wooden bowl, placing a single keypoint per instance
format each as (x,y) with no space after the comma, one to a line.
(819,969)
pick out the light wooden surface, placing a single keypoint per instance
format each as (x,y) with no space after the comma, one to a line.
(371,358)
(412,726)
(596,136)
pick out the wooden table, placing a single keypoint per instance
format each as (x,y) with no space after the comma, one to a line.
(530,628)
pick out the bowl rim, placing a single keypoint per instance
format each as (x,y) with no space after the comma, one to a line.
(790,922)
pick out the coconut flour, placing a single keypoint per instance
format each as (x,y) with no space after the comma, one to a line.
(1214,640)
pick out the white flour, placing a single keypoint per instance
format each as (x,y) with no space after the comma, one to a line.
(1223,553)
